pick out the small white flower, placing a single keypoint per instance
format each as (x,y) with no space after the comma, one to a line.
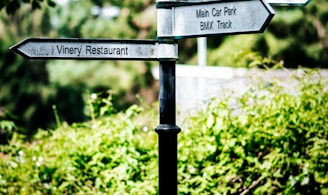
(305,168)
(145,129)
(93,96)
(305,181)
(94,126)
(20,153)
(292,180)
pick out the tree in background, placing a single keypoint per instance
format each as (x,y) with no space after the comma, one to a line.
(29,89)
(12,6)
(24,91)
(297,36)
(301,35)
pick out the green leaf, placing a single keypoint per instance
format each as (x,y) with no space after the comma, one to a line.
(51,3)
(12,7)
(36,4)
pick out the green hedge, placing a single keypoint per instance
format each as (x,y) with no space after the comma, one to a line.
(270,140)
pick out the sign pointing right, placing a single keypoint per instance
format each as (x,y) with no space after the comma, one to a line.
(218,18)
(288,2)
(271,2)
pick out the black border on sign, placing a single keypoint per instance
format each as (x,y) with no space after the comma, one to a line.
(15,48)
(180,3)
(261,30)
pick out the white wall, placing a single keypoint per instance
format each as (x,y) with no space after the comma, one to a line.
(197,84)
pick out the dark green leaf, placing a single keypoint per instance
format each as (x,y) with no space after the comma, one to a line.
(12,7)
(36,5)
(51,3)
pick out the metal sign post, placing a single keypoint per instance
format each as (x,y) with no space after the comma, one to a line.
(101,49)
(167,130)
(176,19)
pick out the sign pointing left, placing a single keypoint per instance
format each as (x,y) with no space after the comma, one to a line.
(44,48)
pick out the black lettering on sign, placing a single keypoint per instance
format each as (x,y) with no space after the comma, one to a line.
(120,51)
(33,51)
(230,11)
(224,24)
(61,49)
(206,25)
(216,12)
(44,51)
(38,51)
(202,13)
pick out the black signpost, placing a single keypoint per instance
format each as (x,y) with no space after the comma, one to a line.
(176,19)
(167,130)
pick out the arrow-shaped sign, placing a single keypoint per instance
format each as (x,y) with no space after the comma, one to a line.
(216,18)
(271,2)
(288,2)
(43,48)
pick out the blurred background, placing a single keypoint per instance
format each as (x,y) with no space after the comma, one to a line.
(34,92)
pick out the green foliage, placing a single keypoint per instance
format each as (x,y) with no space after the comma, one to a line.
(255,60)
(23,90)
(269,140)
(12,6)
(99,105)
(107,156)
(38,85)
(298,36)
(6,131)
(128,24)
(224,54)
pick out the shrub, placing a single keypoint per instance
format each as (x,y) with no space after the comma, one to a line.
(108,155)
(270,140)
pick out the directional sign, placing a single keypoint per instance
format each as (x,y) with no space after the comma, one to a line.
(288,2)
(38,48)
(272,2)
(218,18)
